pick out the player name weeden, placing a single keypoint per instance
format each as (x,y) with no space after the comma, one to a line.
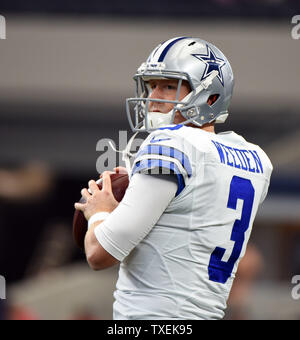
(124,330)
(247,160)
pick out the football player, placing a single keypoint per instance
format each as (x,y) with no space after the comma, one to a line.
(186,218)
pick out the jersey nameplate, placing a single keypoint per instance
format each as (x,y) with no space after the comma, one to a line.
(247,160)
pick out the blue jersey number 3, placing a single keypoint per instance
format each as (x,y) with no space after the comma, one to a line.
(240,188)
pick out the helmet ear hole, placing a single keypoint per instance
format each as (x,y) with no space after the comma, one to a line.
(212,99)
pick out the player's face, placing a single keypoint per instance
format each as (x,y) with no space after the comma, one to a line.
(167,89)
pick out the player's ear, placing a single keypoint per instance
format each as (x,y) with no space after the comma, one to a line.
(212,99)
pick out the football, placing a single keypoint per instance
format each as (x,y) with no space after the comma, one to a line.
(119,184)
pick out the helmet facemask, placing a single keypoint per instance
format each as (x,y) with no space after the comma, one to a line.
(139,116)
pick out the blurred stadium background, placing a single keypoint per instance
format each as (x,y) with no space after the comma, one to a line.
(66,68)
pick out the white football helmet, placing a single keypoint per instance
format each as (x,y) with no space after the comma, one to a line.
(207,71)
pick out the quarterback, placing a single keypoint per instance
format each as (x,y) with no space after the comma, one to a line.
(186,218)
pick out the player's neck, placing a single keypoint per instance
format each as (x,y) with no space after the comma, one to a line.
(210,127)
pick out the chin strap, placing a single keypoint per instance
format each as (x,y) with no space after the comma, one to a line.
(157,119)
(126,154)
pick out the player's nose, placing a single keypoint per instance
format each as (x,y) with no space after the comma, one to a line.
(156,93)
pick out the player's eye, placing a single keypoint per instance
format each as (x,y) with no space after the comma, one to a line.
(171,87)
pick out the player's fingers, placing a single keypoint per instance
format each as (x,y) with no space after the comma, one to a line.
(106,186)
(84,193)
(79,206)
(111,172)
(93,186)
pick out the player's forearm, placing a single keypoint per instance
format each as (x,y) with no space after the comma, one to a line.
(97,257)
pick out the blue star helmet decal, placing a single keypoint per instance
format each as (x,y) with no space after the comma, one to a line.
(212,63)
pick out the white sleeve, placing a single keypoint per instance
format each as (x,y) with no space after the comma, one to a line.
(145,200)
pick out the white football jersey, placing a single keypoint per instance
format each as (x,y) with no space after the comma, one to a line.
(184,268)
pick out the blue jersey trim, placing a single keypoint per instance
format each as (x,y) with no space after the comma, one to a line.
(154,149)
(176,127)
(148,164)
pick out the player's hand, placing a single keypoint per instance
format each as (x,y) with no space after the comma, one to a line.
(98,200)
(117,170)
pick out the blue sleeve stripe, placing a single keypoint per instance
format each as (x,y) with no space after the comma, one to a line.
(176,127)
(148,164)
(168,152)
